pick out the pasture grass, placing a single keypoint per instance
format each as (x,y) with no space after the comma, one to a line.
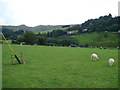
(95,37)
(59,67)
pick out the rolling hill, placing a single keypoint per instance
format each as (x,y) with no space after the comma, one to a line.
(38,28)
(34,29)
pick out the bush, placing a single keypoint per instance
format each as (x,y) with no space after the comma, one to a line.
(73,45)
(80,45)
(105,47)
(86,45)
(50,44)
(14,42)
(23,43)
(42,41)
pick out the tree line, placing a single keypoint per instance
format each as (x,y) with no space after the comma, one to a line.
(10,34)
(31,38)
(101,24)
(60,37)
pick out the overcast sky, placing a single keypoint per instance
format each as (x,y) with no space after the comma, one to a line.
(54,12)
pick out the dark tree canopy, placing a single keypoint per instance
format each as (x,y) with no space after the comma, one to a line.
(103,23)
(30,38)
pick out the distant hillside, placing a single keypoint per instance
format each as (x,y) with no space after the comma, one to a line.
(45,27)
(16,28)
(34,29)
(101,24)
(97,39)
(93,39)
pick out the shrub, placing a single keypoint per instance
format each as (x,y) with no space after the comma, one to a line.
(80,45)
(14,42)
(42,41)
(86,45)
(73,45)
(50,44)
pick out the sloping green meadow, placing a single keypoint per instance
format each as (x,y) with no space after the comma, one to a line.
(97,39)
(59,67)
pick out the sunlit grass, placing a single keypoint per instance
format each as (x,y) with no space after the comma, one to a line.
(59,67)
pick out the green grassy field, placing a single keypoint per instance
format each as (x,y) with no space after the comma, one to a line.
(97,38)
(59,67)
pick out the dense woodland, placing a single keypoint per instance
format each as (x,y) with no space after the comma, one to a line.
(60,36)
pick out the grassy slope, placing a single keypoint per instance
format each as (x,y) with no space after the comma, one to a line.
(96,38)
(50,30)
(54,67)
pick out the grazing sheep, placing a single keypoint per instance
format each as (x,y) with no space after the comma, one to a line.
(94,57)
(20,44)
(111,61)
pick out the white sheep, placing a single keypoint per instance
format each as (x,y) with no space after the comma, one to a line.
(94,56)
(111,61)
(20,44)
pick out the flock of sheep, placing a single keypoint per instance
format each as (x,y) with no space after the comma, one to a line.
(95,57)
